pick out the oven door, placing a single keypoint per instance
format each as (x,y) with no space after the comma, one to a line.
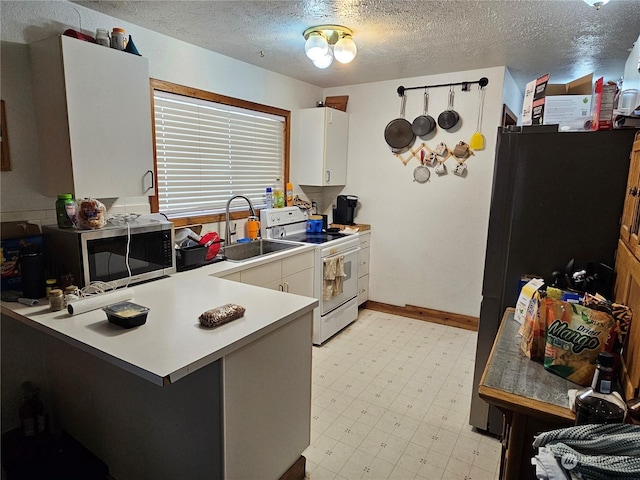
(333,300)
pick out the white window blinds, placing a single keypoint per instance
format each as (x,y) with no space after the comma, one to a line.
(207,152)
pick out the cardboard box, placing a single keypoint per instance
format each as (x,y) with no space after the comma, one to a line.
(13,236)
(569,105)
(566,104)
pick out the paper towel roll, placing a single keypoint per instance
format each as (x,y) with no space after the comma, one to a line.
(98,301)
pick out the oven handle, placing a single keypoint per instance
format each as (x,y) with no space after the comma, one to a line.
(345,253)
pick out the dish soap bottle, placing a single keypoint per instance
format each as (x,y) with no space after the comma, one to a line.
(598,403)
(278,194)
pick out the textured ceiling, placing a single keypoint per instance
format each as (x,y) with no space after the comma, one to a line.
(400,38)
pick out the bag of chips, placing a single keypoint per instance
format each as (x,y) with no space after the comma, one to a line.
(621,315)
(575,336)
(533,328)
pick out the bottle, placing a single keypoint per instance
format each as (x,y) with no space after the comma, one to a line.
(289,194)
(27,414)
(269,198)
(597,403)
(102,37)
(278,194)
(63,204)
(118,39)
(32,272)
(31,411)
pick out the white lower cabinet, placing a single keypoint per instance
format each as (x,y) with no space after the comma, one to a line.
(363,267)
(292,274)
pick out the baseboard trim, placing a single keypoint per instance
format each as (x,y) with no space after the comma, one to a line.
(427,314)
(296,471)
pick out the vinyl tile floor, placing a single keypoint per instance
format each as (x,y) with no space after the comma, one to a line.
(390,400)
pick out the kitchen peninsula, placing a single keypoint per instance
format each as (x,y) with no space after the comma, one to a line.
(171,399)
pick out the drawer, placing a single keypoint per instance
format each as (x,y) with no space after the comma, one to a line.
(297,263)
(363,289)
(363,262)
(365,239)
(262,275)
(234,277)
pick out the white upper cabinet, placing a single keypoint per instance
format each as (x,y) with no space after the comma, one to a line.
(322,154)
(93,111)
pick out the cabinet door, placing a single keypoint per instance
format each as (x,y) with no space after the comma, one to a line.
(109,112)
(336,145)
(300,283)
(297,274)
(630,223)
(627,292)
(322,147)
(93,108)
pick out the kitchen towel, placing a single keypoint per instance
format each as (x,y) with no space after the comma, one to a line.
(596,451)
(333,276)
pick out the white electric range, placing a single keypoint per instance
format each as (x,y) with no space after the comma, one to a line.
(340,309)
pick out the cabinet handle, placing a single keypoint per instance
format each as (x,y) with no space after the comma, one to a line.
(152,185)
(286,286)
(633,191)
(330,116)
(281,288)
(328,176)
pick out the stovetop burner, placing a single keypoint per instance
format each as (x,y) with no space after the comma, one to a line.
(316,238)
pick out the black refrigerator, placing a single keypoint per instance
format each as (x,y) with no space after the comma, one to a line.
(556,197)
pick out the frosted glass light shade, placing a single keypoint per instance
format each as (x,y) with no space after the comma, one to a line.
(596,3)
(316,46)
(345,49)
(325,61)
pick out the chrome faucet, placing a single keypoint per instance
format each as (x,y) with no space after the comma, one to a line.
(227,233)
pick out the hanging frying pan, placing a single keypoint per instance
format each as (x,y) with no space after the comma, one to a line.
(424,124)
(398,133)
(449,118)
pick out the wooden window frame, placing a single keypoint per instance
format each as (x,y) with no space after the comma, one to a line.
(164,86)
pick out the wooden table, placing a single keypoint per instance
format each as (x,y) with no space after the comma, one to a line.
(532,399)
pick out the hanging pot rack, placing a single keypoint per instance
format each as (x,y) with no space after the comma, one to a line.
(483,82)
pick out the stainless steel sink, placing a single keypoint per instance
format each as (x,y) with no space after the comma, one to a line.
(239,252)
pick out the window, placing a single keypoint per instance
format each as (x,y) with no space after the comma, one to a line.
(210,147)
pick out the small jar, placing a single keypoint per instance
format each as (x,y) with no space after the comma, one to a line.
(118,39)
(50,285)
(102,37)
(65,206)
(71,294)
(56,300)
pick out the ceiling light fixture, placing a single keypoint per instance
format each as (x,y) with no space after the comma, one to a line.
(326,42)
(596,3)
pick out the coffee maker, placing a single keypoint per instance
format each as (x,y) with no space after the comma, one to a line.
(345,209)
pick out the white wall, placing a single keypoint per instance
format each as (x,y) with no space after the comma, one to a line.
(428,240)
(512,95)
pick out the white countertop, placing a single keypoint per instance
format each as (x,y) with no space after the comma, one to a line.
(171,344)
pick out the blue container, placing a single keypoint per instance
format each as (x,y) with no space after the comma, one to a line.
(314,226)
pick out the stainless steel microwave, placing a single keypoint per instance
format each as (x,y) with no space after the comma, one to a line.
(120,254)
